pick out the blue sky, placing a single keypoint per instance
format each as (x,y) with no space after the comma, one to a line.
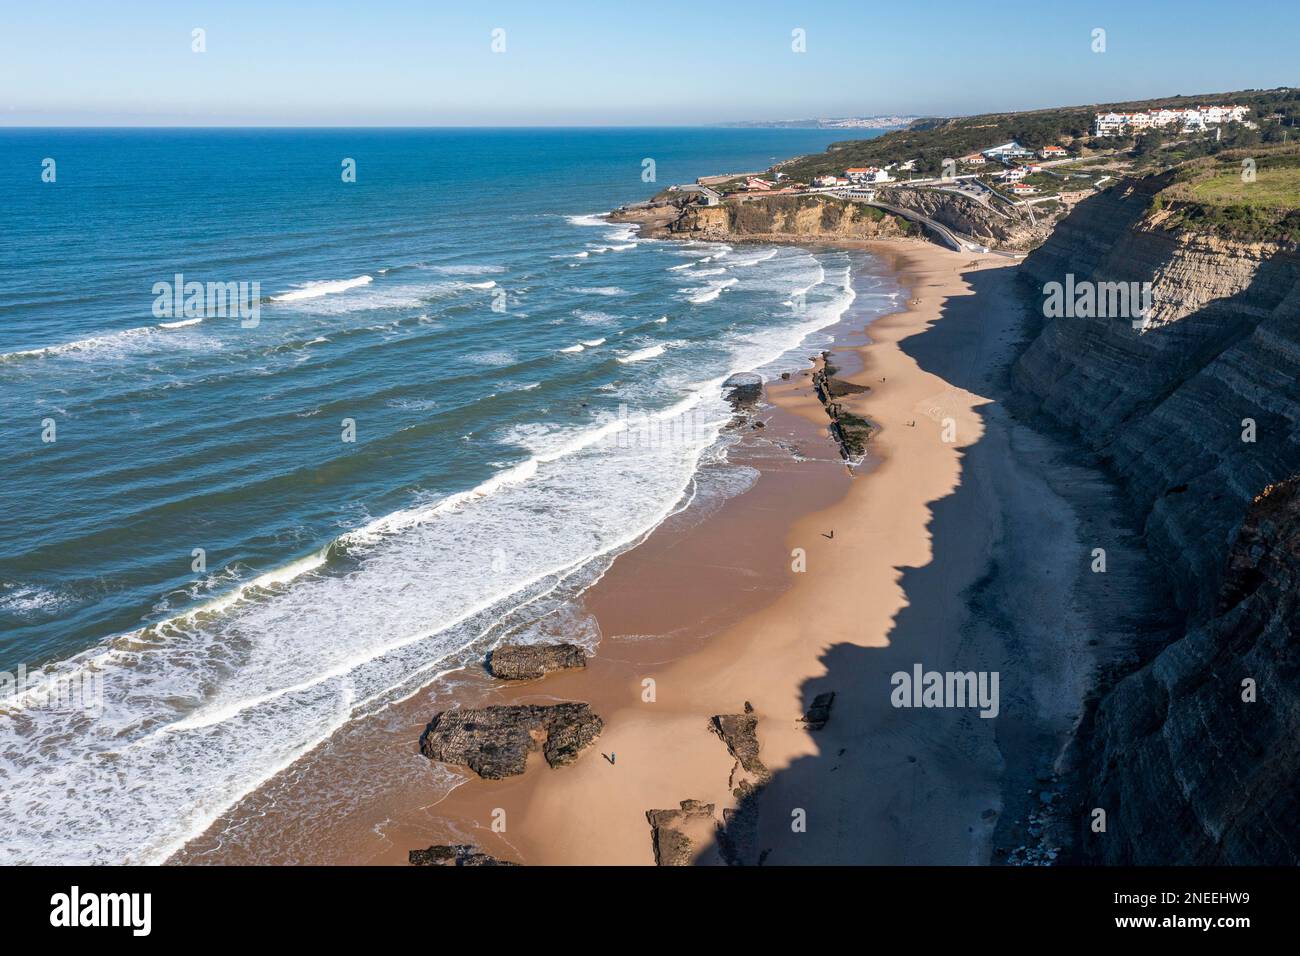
(384,62)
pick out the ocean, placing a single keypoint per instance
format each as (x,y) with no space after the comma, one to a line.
(461,393)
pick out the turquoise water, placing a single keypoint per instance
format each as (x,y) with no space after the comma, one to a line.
(529,387)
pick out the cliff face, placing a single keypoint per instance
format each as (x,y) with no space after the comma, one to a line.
(794,218)
(1166,406)
(1186,771)
(786,218)
(1005,230)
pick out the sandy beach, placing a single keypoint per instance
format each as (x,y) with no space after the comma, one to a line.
(936,551)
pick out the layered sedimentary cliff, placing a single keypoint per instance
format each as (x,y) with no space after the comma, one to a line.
(809,218)
(1196,414)
(787,218)
(1000,227)
(1195,756)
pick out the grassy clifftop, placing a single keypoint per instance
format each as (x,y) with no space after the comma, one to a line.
(1239,194)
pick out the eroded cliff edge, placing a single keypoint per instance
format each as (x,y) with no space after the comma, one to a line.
(824,218)
(1185,769)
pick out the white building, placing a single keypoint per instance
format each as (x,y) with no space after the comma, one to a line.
(1008,150)
(866,174)
(1190,119)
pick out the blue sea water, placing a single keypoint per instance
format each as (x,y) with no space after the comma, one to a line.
(531,388)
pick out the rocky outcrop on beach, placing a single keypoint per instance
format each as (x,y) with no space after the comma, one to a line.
(851,432)
(819,712)
(495,741)
(738,834)
(678,835)
(1196,415)
(454,854)
(743,390)
(740,733)
(531,661)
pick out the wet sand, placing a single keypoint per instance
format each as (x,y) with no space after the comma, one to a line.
(950,549)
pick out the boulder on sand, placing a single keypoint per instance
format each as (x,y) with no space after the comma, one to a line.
(495,741)
(820,711)
(454,854)
(678,834)
(530,661)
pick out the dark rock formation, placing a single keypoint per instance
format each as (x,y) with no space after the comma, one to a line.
(820,711)
(529,661)
(454,854)
(740,733)
(678,835)
(851,432)
(738,835)
(743,390)
(495,741)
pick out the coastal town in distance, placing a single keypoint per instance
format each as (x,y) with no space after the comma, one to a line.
(853,455)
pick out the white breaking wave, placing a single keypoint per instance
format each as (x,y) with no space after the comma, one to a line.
(466,270)
(314,290)
(591,219)
(762,257)
(712,291)
(591,317)
(654,351)
(92,344)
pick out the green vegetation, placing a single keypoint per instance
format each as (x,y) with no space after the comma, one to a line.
(1241,194)
(1274,187)
(930,141)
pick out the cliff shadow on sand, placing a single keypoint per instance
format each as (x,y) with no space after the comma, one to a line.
(1006,591)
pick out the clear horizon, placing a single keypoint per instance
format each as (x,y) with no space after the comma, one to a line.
(398,64)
